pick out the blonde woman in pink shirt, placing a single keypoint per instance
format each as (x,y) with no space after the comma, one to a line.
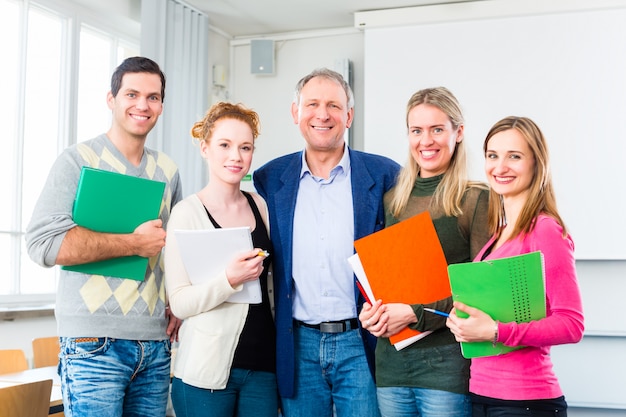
(523,218)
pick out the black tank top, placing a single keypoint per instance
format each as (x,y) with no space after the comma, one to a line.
(256,349)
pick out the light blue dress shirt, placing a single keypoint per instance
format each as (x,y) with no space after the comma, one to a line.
(323,239)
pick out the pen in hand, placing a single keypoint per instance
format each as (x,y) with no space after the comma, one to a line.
(440,313)
(263,253)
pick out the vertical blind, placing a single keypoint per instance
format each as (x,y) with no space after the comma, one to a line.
(176,37)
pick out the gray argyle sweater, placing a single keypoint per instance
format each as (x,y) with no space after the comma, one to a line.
(95,305)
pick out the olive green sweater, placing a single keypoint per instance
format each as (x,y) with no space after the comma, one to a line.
(435,361)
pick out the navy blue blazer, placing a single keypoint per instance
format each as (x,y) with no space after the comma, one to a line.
(277,182)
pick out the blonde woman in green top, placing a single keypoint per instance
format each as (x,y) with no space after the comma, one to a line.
(429,377)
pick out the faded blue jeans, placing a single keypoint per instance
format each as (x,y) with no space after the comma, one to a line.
(422,402)
(104,377)
(331,374)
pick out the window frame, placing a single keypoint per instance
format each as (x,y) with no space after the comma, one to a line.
(120,29)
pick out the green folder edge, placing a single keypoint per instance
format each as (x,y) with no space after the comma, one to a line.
(484,285)
(111,202)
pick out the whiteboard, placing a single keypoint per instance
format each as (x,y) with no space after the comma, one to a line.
(566,71)
(591,373)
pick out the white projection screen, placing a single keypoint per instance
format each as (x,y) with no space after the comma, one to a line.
(566,71)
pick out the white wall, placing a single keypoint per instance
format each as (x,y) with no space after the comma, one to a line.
(19,333)
(271,95)
(592,372)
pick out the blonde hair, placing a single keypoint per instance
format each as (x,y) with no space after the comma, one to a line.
(450,191)
(203,129)
(541,198)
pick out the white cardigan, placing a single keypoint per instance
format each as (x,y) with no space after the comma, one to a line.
(211,328)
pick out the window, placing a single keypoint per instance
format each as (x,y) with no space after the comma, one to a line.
(94,79)
(55,76)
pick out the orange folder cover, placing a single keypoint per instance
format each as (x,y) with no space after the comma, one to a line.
(405,263)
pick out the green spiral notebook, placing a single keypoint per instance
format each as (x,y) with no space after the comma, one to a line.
(111,202)
(508,289)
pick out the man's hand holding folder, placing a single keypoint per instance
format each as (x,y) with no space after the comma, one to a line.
(152,238)
(117,208)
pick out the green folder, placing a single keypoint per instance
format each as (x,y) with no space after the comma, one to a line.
(110,202)
(508,289)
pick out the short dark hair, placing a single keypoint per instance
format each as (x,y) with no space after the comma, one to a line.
(136,64)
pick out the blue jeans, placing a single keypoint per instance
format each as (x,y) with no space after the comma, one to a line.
(247,393)
(422,402)
(104,377)
(331,374)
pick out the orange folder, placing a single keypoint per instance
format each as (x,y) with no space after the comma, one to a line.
(405,263)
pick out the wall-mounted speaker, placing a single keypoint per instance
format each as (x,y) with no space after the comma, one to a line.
(262,56)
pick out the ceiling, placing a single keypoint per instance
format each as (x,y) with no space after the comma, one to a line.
(242,18)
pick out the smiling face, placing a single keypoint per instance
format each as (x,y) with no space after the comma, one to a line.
(229,150)
(137,105)
(322,114)
(509,164)
(432,139)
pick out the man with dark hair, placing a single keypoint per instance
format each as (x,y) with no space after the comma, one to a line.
(115,333)
(136,64)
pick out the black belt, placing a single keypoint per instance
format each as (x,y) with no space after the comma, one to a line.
(331,326)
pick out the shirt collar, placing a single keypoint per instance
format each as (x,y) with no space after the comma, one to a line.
(342,167)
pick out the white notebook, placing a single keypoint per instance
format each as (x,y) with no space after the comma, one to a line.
(205,253)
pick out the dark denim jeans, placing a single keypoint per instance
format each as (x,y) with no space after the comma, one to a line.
(247,393)
(491,407)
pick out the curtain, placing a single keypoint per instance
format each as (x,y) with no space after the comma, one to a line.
(176,36)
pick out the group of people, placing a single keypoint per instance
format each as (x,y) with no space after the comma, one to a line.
(313,346)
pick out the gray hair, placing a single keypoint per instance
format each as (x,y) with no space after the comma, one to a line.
(329,75)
